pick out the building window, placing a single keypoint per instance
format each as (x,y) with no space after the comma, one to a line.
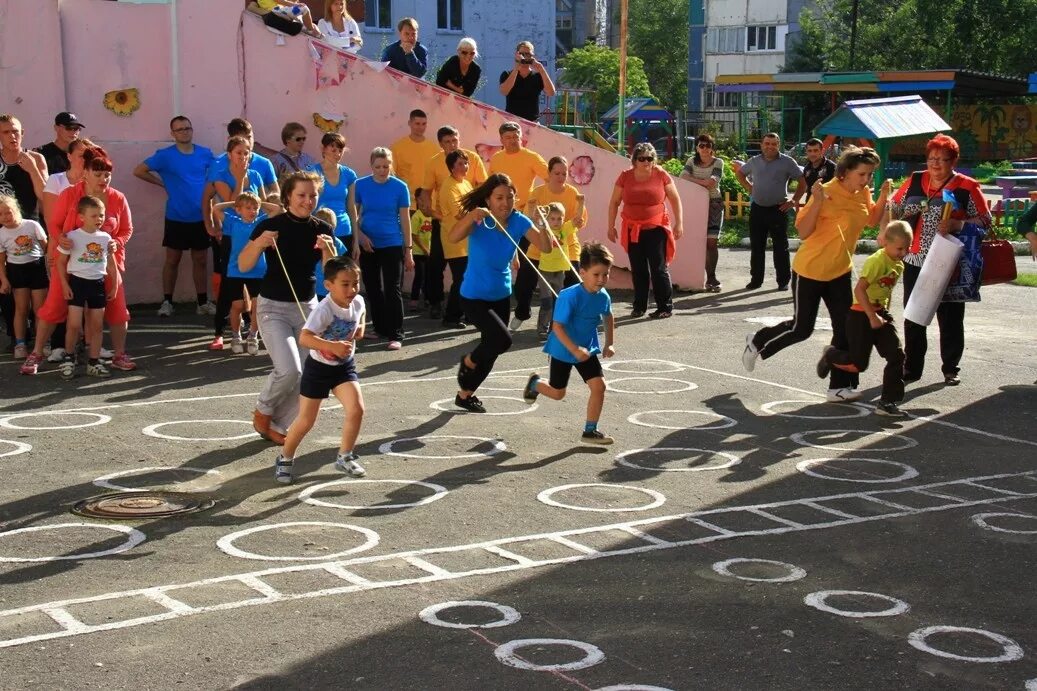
(563,22)
(448,15)
(761,38)
(378,14)
(725,39)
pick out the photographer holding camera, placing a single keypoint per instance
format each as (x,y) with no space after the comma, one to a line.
(523,85)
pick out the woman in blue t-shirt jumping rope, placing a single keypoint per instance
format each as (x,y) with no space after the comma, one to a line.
(493,229)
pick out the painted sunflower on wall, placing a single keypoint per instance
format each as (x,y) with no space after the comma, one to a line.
(327,122)
(122,102)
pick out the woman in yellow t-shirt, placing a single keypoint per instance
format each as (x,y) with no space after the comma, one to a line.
(456,253)
(829,227)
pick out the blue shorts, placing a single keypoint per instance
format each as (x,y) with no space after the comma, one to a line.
(319,379)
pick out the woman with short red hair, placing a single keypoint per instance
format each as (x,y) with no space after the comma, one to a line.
(96,182)
(919,201)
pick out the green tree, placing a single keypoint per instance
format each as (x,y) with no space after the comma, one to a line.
(597,68)
(659,36)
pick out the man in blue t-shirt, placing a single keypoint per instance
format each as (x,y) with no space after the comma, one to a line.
(181,170)
(573,342)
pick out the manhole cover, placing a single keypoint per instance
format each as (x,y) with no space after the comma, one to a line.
(131,505)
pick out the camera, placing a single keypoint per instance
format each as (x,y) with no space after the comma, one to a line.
(526,59)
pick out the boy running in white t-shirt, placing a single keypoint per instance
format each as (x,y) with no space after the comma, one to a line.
(331,333)
(82,269)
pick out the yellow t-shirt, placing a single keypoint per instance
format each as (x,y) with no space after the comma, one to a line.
(436,172)
(881,272)
(408,159)
(450,193)
(543,196)
(558,258)
(523,167)
(827,253)
(421,232)
(266,5)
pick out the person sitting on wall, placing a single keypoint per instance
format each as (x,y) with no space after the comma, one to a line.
(407,55)
(524,84)
(460,72)
(261,7)
(339,28)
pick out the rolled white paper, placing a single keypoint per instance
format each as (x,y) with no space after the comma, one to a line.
(937,269)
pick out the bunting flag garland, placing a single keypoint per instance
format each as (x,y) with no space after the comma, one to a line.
(421,86)
(484,114)
(462,101)
(330,65)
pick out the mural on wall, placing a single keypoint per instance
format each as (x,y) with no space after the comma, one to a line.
(122,102)
(987,132)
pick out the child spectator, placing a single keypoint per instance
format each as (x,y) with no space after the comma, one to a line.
(23,269)
(330,333)
(574,339)
(81,270)
(238,219)
(421,236)
(555,264)
(328,216)
(869,322)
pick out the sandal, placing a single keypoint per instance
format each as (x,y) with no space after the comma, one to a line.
(660,314)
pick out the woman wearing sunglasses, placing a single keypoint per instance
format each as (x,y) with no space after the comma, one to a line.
(707,170)
(646,231)
(460,73)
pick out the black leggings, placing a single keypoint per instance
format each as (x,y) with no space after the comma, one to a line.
(648,265)
(453,312)
(491,318)
(417,285)
(951,318)
(434,270)
(382,272)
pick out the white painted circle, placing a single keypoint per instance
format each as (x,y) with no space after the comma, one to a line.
(152,430)
(981,519)
(99,419)
(801,439)
(106,480)
(724,423)
(134,538)
(429,615)
(682,385)
(446,405)
(506,654)
(545,497)
(521,378)
(387,447)
(226,543)
(794,572)
(1031,684)
(1011,651)
(632,687)
(856,409)
(20,447)
(819,599)
(807,467)
(438,492)
(621,459)
(653,366)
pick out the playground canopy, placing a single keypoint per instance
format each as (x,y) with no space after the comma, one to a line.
(881,120)
(645,120)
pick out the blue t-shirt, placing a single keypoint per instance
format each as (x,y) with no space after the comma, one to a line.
(378,205)
(259,163)
(239,232)
(184,177)
(253,185)
(488,276)
(319,271)
(334,197)
(580,312)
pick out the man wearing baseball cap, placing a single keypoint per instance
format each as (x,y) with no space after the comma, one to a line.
(67,128)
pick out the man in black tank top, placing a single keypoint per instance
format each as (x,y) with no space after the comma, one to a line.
(22,175)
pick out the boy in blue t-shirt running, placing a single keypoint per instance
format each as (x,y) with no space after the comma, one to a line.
(573,341)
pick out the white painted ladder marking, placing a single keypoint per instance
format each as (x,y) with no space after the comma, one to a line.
(427,566)
(72,626)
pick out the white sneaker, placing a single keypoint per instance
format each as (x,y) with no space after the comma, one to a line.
(516,323)
(350,467)
(252,344)
(237,346)
(56,355)
(21,351)
(106,354)
(208,309)
(843,395)
(750,354)
(166,309)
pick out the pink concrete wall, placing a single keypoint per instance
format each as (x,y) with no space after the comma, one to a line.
(228,64)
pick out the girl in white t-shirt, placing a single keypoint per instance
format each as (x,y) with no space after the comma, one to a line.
(23,269)
(330,333)
(340,29)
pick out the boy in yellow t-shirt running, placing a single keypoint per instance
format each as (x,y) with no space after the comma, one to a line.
(869,322)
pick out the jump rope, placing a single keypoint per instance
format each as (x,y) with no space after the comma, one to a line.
(497,224)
